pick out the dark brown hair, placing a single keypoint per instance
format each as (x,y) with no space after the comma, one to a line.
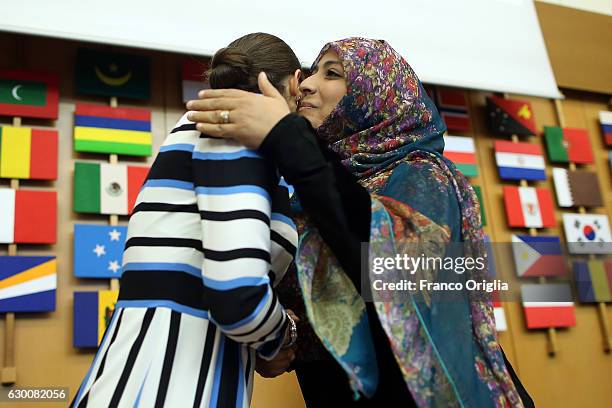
(238,64)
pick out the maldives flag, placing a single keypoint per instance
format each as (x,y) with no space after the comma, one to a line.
(103,188)
(28,153)
(568,145)
(28,216)
(510,116)
(28,94)
(519,161)
(548,305)
(605,120)
(461,151)
(529,207)
(536,256)
(194,78)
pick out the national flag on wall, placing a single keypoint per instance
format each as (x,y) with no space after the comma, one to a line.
(529,207)
(194,79)
(605,120)
(587,233)
(536,256)
(593,280)
(113,74)
(27,216)
(27,153)
(568,145)
(519,161)
(92,315)
(576,188)
(103,188)
(102,129)
(548,305)
(483,216)
(27,283)
(461,151)
(452,106)
(98,250)
(28,94)
(510,116)
(498,311)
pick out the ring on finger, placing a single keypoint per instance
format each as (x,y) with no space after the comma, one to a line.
(225,116)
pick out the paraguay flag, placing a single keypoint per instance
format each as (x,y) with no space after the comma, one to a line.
(102,129)
(27,283)
(92,315)
(519,161)
(538,256)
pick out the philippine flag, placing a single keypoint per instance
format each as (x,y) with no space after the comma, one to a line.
(536,256)
(519,161)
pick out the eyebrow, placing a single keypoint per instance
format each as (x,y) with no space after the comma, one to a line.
(331,62)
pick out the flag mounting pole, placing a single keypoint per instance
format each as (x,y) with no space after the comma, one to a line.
(113,218)
(551,332)
(9,371)
(601,309)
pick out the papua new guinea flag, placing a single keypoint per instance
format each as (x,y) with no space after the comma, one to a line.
(510,116)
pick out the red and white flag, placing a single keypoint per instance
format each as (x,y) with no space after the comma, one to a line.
(529,207)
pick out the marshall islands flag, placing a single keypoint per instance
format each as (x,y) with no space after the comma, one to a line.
(103,129)
(27,283)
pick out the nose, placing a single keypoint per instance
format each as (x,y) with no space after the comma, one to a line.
(307,86)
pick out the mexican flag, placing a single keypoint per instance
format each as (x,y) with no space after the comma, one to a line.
(103,188)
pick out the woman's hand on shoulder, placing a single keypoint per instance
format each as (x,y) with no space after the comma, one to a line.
(251,116)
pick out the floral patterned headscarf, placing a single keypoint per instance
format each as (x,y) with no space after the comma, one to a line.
(385,113)
(389,134)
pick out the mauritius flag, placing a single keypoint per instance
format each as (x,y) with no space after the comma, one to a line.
(593,280)
(536,256)
(27,153)
(461,151)
(92,314)
(566,145)
(103,188)
(519,161)
(102,129)
(27,283)
(28,94)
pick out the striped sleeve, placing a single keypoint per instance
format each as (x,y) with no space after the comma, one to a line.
(234,189)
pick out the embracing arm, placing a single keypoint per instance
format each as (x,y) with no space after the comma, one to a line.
(337,205)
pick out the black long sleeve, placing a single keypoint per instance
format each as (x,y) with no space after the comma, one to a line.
(337,205)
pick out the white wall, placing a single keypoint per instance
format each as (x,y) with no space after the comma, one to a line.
(492,45)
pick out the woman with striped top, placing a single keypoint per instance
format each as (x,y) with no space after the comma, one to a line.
(209,237)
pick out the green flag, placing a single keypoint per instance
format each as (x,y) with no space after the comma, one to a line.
(111,74)
(483,217)
(20,92)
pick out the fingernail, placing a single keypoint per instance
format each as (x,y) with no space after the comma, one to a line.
(189,104)
(201,94)
(190,115)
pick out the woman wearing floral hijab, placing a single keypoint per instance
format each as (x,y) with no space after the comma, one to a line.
(375,173)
